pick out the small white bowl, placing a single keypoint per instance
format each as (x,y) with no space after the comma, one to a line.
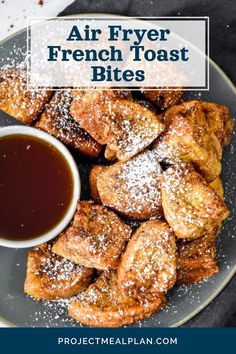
(24,130)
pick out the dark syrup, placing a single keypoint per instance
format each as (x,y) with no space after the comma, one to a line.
(36,187)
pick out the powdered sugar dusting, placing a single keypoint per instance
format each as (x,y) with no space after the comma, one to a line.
(149,262)
(189,203)
(57,120)
(133,187)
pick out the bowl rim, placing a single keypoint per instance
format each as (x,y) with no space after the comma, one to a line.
(43,136)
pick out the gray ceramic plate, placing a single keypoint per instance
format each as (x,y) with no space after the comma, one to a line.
(184,302)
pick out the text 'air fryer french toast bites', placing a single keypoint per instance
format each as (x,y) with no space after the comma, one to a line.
(24,105)
(132,187)
(124,125)
(104,305)
(189,139)
(94,172)
(163,98)
(149,261)
(196,259)
(50,277)
(96,237)
(190,205)
(57,121)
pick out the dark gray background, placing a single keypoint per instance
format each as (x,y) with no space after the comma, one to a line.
(222,311)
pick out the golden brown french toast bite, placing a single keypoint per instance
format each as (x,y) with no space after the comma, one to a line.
(16,100)
(124,125)
(132,187)
(94,172)
(96,237)
(219,121)
(196,259)
(163,98)
(190,205)
(90,109)
(218,187)
(50,277)
(149,262)
(188,139)
(104,305)
(57,121)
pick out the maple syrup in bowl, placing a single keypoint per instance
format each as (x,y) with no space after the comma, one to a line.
(39,187)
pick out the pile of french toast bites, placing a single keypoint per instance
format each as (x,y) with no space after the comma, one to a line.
(156,206)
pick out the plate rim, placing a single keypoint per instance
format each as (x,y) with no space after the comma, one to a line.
(6,323)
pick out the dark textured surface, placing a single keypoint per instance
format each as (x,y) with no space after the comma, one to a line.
(222,311)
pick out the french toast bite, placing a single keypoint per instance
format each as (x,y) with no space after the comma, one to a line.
(219,121)
(189,139)
(163,98)
(133,187)
(15,99)
(190,205)
(196,259)
(149,262)
(104,305)
(50,277)
(96,237)
(218,187)
(124,125)
(57,121)
(90,109)
(94,172)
